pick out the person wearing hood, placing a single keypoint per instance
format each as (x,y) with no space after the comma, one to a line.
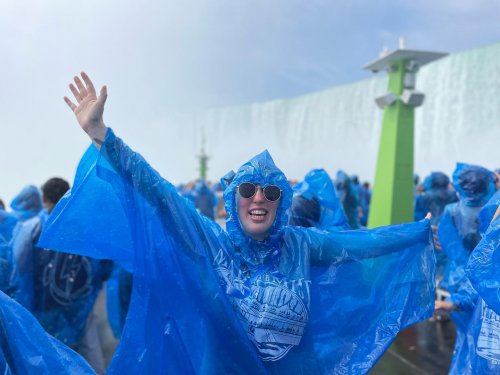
(27,204)
(315,203)
(349,197)
(436,196)
(60,289)
(479,351)
(204,199)
(459,233)
(260,298)
(9,278)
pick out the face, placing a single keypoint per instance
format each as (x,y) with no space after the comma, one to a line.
(256,214)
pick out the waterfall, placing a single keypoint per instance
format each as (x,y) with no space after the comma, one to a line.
(340,127)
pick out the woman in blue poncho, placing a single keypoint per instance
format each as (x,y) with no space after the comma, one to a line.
(255,299)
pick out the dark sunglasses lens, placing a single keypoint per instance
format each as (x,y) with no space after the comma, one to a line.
(272,193)
(246,190)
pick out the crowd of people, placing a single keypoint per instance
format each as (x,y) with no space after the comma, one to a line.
(294,282)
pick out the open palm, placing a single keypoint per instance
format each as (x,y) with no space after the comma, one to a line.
(90,108)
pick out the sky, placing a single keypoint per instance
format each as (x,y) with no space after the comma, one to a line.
(160,57)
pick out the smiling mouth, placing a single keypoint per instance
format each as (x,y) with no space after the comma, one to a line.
(257,212)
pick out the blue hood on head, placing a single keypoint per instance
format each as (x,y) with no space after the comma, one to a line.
(474,184)
(260,170)
(436,180)
(27,203)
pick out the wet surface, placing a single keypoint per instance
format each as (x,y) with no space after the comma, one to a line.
(426,348)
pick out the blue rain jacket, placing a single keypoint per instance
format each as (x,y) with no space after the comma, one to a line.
(7,224)
(459,230)
(118,294)
(483,267)
(209,301)
(315,203)
(435,197)
(25,348)
(204,199)
(348,195)
(478,352)
(9,278)
(27,204)
(59,289)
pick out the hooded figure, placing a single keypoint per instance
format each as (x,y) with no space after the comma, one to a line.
(204,199)
(209,301)
(9,280)
(348,195)
(435,197)
(315,203)
(479,352)
(27,204)
(459,233)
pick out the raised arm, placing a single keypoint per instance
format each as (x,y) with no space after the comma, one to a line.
(184,223)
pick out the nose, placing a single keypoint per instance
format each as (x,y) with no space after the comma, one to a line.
(259,195)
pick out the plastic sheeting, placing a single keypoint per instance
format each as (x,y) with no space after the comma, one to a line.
(118,294)
(348,195)
(478,352)
(59,289)
(483,267)
(436,196)
(27,204)
(27,349)
(315,203)
(209,301)
(9,279)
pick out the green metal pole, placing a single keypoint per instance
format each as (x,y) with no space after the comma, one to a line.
(392,199)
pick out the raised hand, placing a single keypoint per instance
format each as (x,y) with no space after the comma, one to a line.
(90,108)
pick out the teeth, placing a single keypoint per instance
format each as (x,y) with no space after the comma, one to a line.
(258,212)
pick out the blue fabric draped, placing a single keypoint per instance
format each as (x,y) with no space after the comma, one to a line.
(27,204)
(59,289)
(209,301)
(118,294)
(479,352)
(315,203)
(483,267)
(348,195)
(9,278)
(27,349)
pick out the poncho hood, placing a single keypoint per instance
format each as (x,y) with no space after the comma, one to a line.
(28,203)
(262,171)
(474,184)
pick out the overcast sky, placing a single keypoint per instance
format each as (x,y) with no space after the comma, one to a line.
(159,57)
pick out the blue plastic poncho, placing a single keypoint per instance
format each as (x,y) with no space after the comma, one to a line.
(27,204)
(483,267)
(435,197)
(348,195)
(207,301)
(59,289)
(204,199)
(118,294)
(479,352)
(25,348)
(459,226)
(9,280)
(315,203)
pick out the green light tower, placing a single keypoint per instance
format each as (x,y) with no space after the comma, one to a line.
(392,199)
(203,159)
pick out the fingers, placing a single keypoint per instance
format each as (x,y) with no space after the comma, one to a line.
(70,103)
(428,216)
(88,83)
(103,95)
(75,92)
(81,87)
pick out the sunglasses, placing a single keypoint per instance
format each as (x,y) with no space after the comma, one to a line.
(271,192)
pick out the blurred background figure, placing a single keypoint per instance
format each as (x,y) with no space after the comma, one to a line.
(60,289)
(348,195)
